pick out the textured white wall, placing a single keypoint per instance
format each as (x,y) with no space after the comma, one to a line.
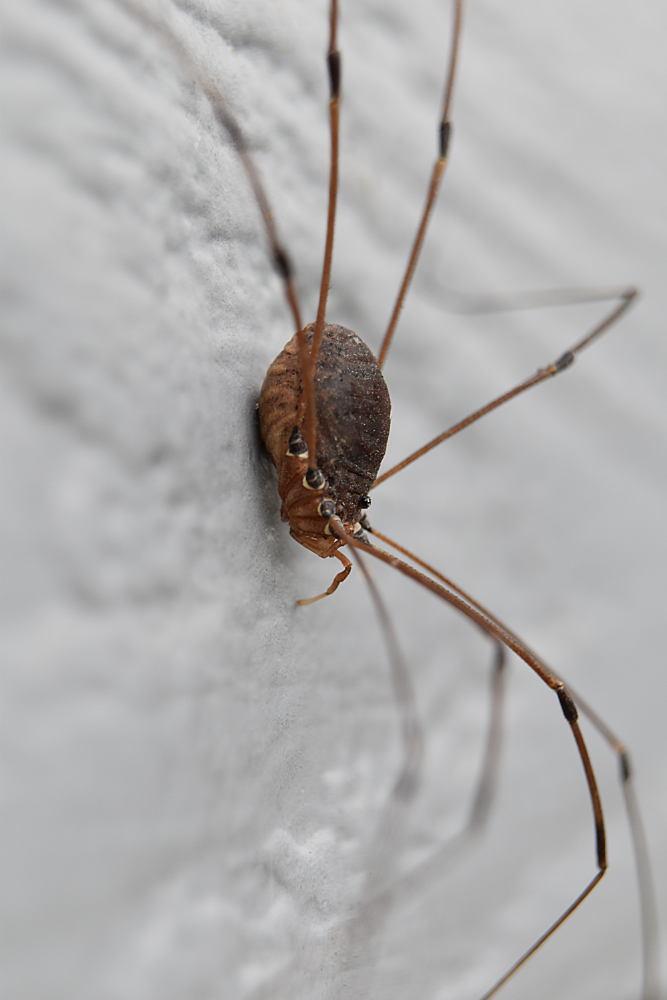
(193,765)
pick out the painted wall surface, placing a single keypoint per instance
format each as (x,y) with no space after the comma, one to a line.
(194,766)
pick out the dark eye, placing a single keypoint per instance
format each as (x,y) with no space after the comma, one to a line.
(365,502)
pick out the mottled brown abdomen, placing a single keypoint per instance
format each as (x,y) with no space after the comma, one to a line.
(353,416)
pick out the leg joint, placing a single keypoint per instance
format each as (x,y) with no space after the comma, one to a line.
(568,706)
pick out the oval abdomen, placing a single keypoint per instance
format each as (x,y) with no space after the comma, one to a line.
(353,414)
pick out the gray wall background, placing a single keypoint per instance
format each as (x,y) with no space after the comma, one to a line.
(193,765)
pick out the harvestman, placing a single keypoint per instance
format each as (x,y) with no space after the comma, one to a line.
(324,417)
(327,447)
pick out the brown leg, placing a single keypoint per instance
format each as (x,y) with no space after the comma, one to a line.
(362,934)
(625,298)
(444,130)
(647,900)
(457,598)
(423,875)
(337,580)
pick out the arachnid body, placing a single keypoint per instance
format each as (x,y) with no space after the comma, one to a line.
(353,411)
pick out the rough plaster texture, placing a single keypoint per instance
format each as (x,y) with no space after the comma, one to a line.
(194,766)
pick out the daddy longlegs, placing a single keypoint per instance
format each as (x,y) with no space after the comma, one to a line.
(294,437)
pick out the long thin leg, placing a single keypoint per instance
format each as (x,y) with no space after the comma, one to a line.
(361,934)
(434,865)
(423,874)
(357,941)
(308,419)
(494,627)
(161,25)
(307,357)
(444,132)
(468,304)
(429,569)
(563,362)
(647,900)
